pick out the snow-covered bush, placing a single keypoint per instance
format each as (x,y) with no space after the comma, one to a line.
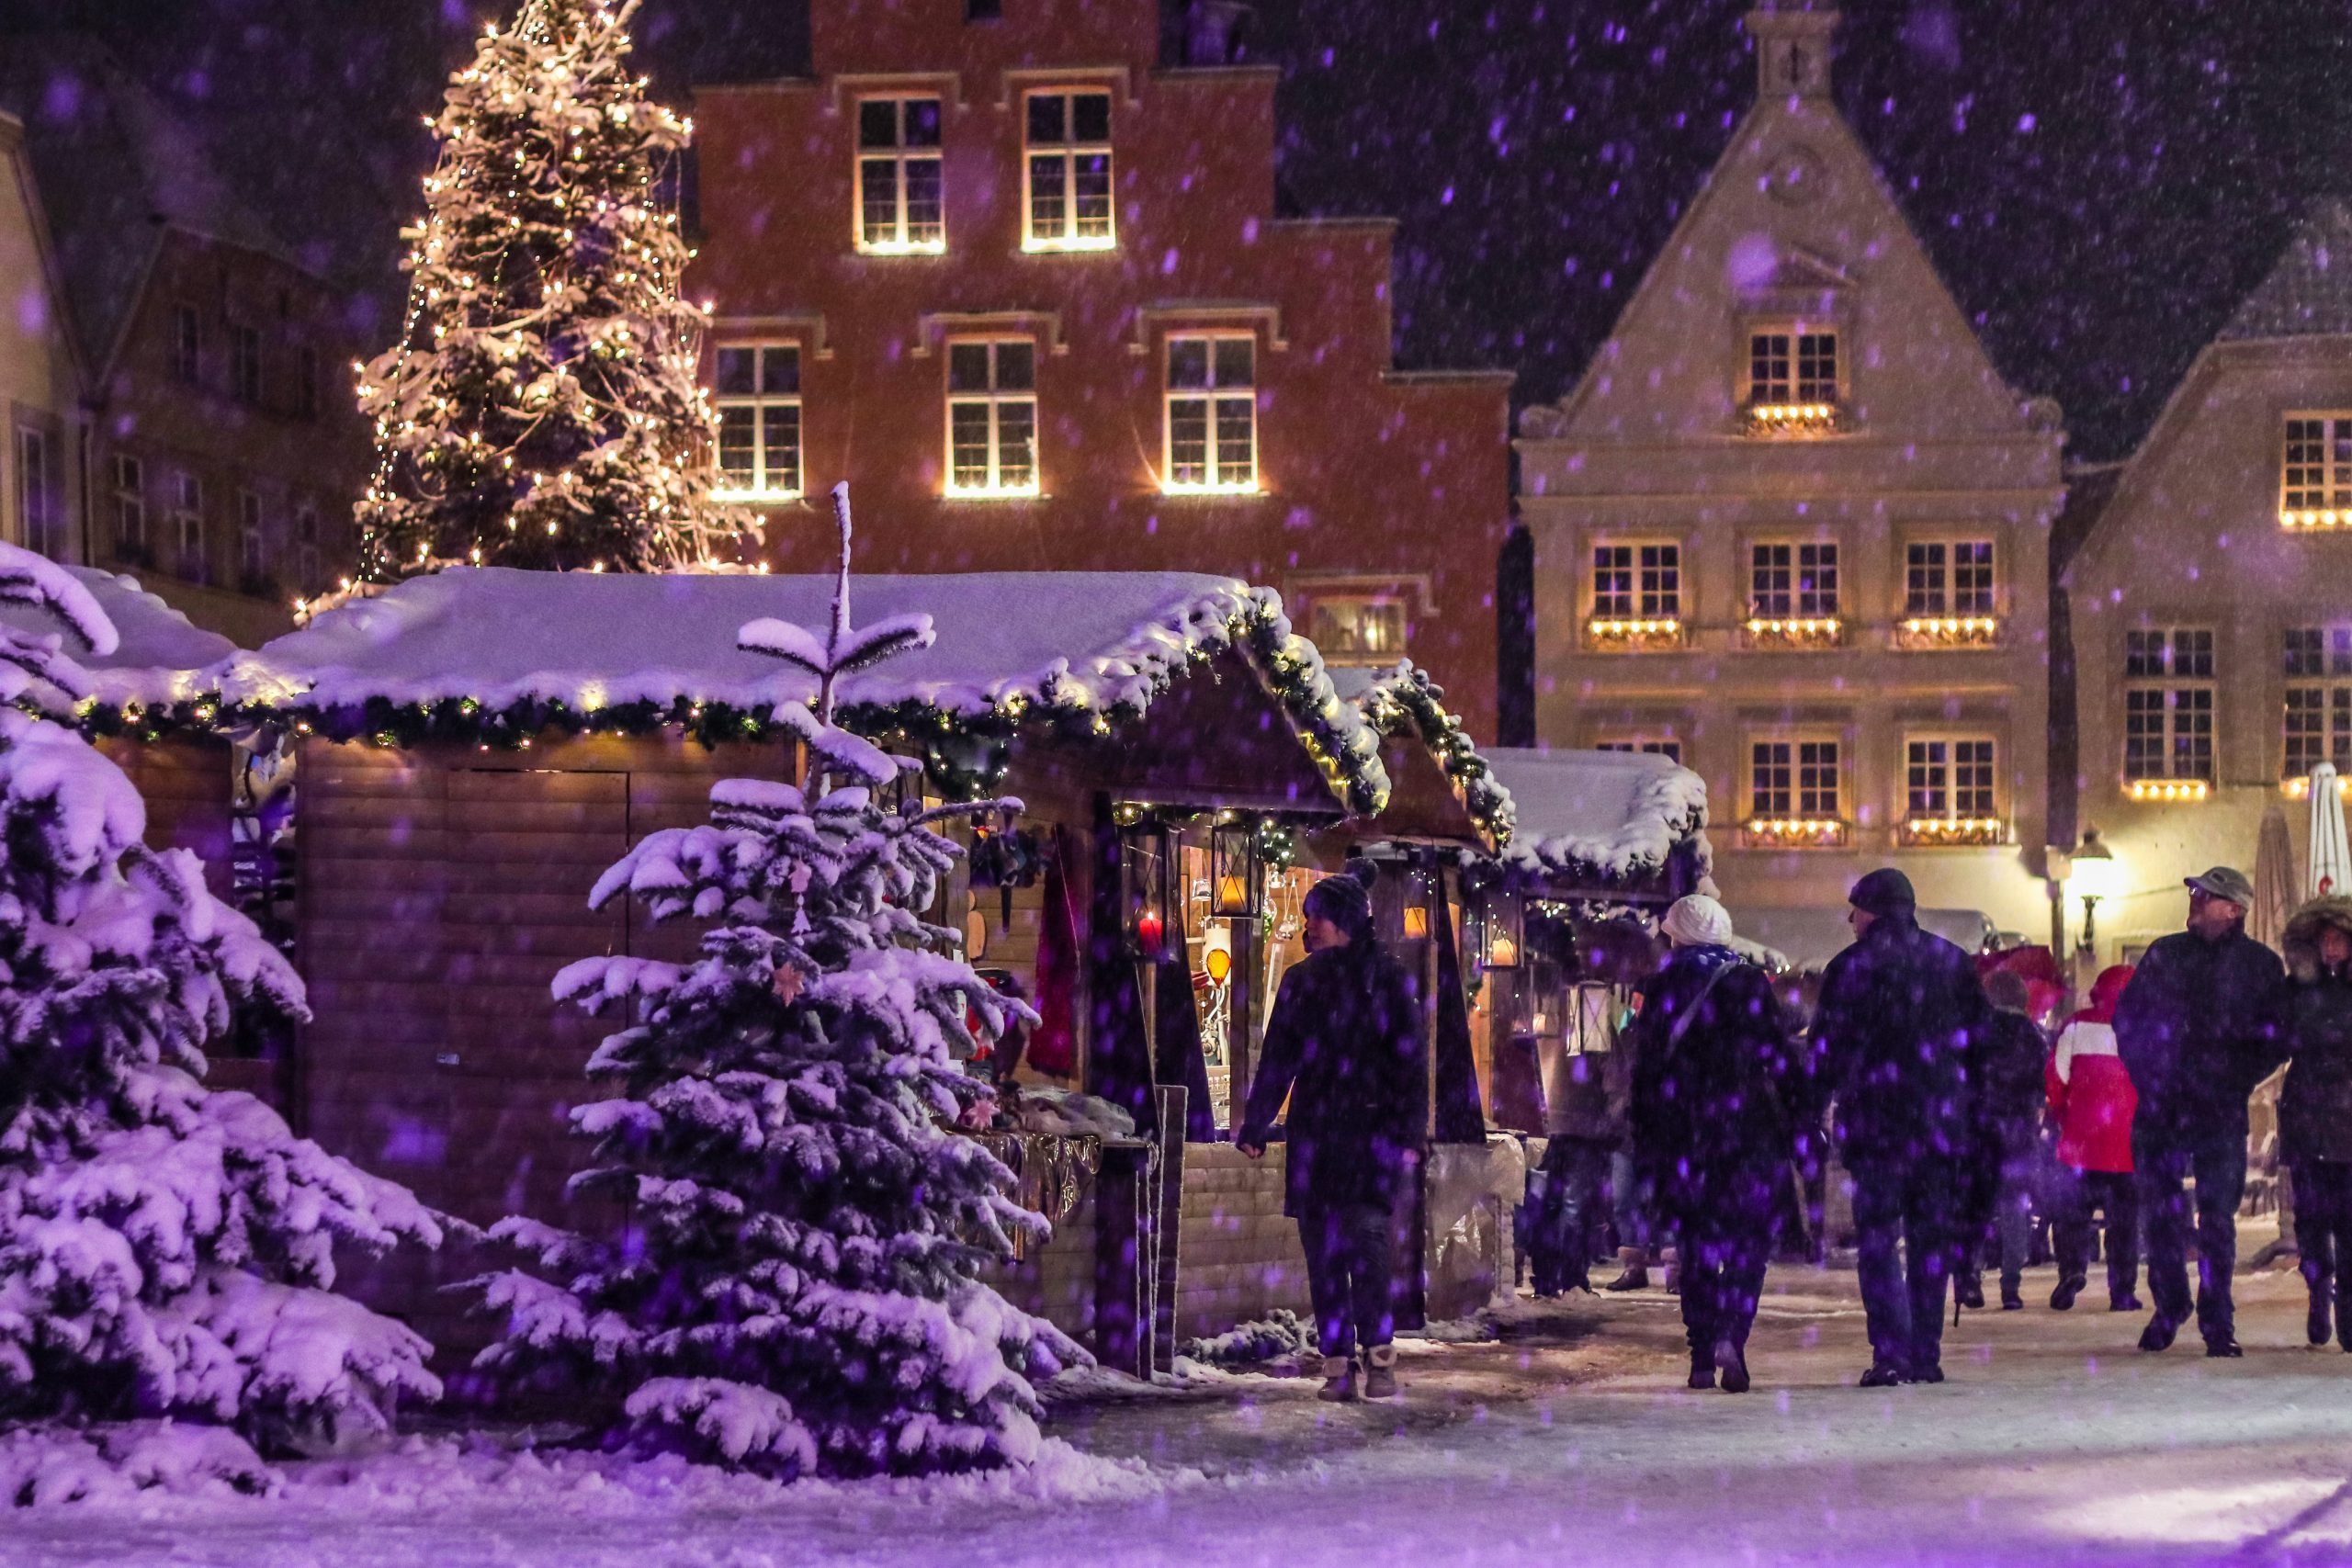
(164,1250)
(797,1293)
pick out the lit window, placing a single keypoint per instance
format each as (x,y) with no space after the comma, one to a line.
(129,502)
(187,527)
(1670,749)
(992,417)
(306,549)
(188,344)
(1358,628)
(759,421)
(1637,582)
(1794,582)
(1212,414)
(244,364)
(2168,710)
(2315,481)
(1068,173)
(899,208)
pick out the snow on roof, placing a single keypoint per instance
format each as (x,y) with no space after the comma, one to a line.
(1610,814)
(161,656)
(2309,292)
(1008,644)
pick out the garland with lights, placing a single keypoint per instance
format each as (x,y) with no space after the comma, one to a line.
(542,407)
(1406,703)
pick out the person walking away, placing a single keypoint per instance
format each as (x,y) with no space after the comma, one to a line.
(2004,1076)
(2315,1105)
(1345,1044)
(2196,1032)
(2092,1101)
(1891,1041)
(1715,1094)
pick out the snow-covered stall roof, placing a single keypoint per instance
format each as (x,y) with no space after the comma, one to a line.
(507,652)
(161,657)
(1811,937)
(1605,817)
(1403,701)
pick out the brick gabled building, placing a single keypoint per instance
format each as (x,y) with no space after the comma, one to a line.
(1024,287)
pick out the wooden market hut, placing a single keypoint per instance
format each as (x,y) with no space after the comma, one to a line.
(473,749)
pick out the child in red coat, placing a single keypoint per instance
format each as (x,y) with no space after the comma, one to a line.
(2091,1100)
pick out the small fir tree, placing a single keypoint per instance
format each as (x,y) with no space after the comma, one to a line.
(798,1292)
(164,1250)
(541,409)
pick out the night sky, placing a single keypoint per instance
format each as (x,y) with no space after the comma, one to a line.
(2098,180)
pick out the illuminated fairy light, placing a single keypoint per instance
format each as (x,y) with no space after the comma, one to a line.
(2171,791)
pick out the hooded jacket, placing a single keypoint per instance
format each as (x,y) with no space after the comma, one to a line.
(2091,1097)
(2314,1021)
(1899,1013)
(2196,1031)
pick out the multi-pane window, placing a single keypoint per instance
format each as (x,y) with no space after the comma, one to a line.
(186,345)
(1358,628)
(759,420)
(1794,580)
(129,497)
(1641,582)
(1643,745)
(40,504)
(2168,711)
(1950,780)
(992,417)
(188,526)
(899,208)
(2318,467)
(1069,172)
(244,364)
(2318,722)
(1794,779)
(1212,413)
(1792,367)
(252,548)
(306,549)
(1949,577)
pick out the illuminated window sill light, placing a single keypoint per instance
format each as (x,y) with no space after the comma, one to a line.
(2172,790)
(2299,788)
(2320,517)
(1933,830)
(1795,833)
(1815,631)
(1052,247)
(1791,419)
(1951,631)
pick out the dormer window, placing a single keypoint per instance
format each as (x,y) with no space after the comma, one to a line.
(1792,380)
(1068,173)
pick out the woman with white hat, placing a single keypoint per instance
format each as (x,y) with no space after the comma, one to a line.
(1718,1093)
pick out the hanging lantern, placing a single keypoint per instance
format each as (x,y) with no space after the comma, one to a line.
(1144,878)
(1234,877)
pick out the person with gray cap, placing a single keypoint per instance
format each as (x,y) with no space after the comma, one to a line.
(1893,1039)
(2196,1031)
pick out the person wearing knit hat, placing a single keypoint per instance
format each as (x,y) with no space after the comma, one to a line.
(1900,1010)
(1715,1080)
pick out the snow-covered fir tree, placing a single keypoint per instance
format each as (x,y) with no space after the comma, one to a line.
(799,1292)
(164,1250)
(541,409)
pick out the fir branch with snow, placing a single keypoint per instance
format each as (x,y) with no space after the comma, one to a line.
(799,1291)
(165,1250)
(542,408)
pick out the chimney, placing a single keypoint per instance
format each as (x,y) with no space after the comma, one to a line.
(1793,47)
(1216,32)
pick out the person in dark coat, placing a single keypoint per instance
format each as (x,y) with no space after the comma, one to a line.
(1345,1044)
(2314,1020)
(2196,1032)
(1717,1094)
(1891,1039)
(2004,1076)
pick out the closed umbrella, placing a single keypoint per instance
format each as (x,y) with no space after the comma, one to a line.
(2274,880)
(2330,868)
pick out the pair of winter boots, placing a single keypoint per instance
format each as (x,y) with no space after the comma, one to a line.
(1339,1385)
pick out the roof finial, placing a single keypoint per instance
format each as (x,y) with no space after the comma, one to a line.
(1793,47)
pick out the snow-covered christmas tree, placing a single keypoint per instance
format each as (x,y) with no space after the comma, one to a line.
(798,1292)
(164,1250)
(541,408)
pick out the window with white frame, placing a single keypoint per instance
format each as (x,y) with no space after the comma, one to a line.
(1358,628)
(1211,430)
(186,345)
(1794,780)
(758,402)
(252,547)
(188,526)
(1643,745)
(1949,577)
(992,417)
(1950,778)
(900,205)
(244,364)
(41,500)
(1068,172)
(128,497)
(1637,582)
(1793,581)
(2168,704)
(2316,472)
(306,565)
(1791,366)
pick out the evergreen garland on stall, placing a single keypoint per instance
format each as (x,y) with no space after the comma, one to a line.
(165,1250)
(541,408)
(798,1290)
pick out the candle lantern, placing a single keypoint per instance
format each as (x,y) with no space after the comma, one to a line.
(1144,876)
(1233,876)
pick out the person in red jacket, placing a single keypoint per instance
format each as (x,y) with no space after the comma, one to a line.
(2092,1101)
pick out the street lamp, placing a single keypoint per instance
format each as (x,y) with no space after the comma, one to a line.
(2093,875)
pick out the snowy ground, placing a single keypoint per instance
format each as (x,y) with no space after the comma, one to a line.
(1569,1439)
